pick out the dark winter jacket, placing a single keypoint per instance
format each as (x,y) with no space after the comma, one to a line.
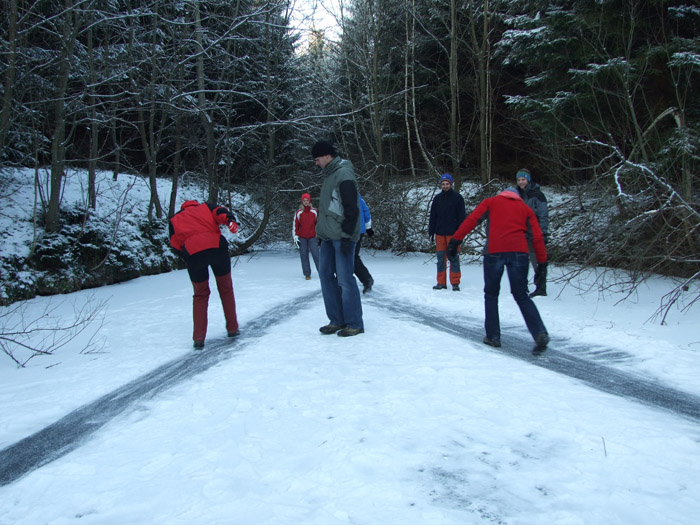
(533,197)
(510,221)
(446,213)
(338,208)
(195,228)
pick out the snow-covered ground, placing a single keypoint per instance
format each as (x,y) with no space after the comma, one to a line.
(403,424)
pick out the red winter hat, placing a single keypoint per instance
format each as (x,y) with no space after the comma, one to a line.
(305,196)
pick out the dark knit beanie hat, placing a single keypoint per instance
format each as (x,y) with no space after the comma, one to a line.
(322,148)
(523,173)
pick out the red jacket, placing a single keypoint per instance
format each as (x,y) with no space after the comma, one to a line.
(305,222)
(510,220)
(196,227)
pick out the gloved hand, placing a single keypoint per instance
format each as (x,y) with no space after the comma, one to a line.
(453,248)
(540,274)
(369,232)
(432,238)
(296,241)
(346,246)
(232,222)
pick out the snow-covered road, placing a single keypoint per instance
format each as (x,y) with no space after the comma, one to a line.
(70,431)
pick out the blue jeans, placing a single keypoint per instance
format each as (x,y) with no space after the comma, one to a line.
(306,246)
(341,296)
(517,265)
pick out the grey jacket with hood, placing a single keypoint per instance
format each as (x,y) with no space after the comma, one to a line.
(338,208)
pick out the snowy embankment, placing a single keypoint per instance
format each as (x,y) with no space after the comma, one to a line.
(112,243)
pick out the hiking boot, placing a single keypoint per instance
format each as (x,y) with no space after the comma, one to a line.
(440,287)
(541,342)
(455,288)
(538,291)
(367,287)
(330,329)
(307,277)
(348,332)
(234,334)
(198,345)
(492,342)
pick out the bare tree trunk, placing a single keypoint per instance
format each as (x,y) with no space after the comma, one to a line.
(454,93)
(10,73)
(267,212)
(58,142)
(202,106)
(374,94)
(150,138)
(408,61)
(176,165)
(92,161)
(482,56)
(117,149)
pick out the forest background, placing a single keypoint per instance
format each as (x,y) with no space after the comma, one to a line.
(595,97)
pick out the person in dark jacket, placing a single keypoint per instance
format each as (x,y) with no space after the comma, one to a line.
(533,197)
(196,237)
(446,214)
(338,229)
(509,222)
(304,234)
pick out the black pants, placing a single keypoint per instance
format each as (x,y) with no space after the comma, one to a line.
(360,269)
(199,263)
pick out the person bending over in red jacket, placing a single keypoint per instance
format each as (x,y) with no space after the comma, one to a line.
(195,236)
(510,221)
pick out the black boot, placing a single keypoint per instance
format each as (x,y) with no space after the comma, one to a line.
(540,290)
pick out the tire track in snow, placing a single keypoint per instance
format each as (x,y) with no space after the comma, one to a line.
(69,432)
(519,345)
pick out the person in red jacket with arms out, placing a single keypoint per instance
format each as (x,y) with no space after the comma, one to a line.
(196,237)
(509,221)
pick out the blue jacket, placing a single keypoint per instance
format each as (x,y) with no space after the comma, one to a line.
(366,221)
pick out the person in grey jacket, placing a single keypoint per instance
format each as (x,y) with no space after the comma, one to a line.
(535,199)
(338,231)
